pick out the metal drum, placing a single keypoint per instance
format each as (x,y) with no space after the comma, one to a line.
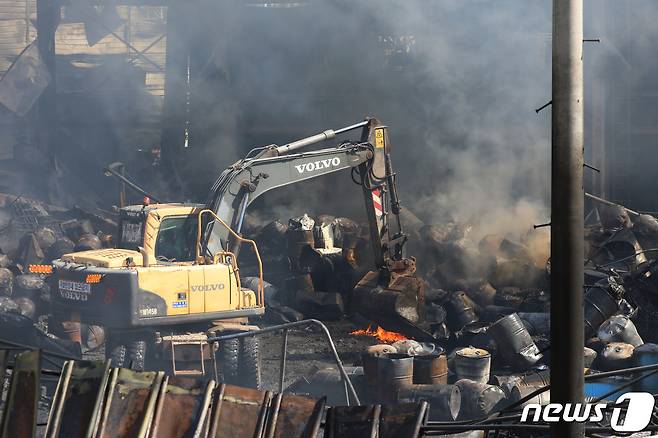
(395,371)
(520,391)
(297,240)
(431,369)
(444,400)
(647,354)
(461,311)
(473,364)
(615,356)
(537,323)
(483,294)
(535,378)
(478,399)
(599,306)
(370,359)
(589,356)
(514,342)
(619,328)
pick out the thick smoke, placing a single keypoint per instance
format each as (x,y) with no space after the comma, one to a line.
(455,81)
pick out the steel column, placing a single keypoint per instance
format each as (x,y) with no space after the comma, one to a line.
(567,205)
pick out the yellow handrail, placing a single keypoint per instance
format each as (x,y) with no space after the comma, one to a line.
(261,293)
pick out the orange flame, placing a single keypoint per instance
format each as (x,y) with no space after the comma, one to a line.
(381,334)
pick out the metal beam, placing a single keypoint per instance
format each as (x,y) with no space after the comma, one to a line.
(48,16)
(567,211)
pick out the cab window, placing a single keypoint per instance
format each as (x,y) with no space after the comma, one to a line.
(176,239)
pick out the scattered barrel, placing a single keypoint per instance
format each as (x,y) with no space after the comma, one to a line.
(483,294)
(615,356)
(296,241)
(537,323)
(514,342)
(6,282)
(431,369)
(535,378)
(599,306)
(619,328)
(26,307)
(461,311)
(88,242)
(520,391)
(444,400)
(395,371)
(478,399)
(473,363)
(589,356)
(62,246)
(370,358)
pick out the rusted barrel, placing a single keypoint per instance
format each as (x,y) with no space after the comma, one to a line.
(444,400)
(461,311)
(615,356)
(478,399)
(473,364)
(599,306)
(514,342)
(431,369)
(72,331)
(395,371)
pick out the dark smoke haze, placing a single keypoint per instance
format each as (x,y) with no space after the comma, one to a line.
(456,81)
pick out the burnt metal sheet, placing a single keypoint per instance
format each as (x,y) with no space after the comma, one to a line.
(20,414)
(78,402)
(295,415)
(130,403)
(353,421)
(239,412)
(182,407)
(402,420)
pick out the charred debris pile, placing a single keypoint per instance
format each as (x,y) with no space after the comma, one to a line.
(475,343)
(479,338)
(32,234)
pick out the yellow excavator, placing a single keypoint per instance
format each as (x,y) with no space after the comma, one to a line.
(173,274)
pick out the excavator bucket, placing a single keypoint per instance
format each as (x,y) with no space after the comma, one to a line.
(393,301)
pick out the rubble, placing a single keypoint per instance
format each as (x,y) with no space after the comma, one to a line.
(476,343)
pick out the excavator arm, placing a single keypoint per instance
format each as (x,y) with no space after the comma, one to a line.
(277,166)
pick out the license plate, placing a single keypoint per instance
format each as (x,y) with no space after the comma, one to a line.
(74,290)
